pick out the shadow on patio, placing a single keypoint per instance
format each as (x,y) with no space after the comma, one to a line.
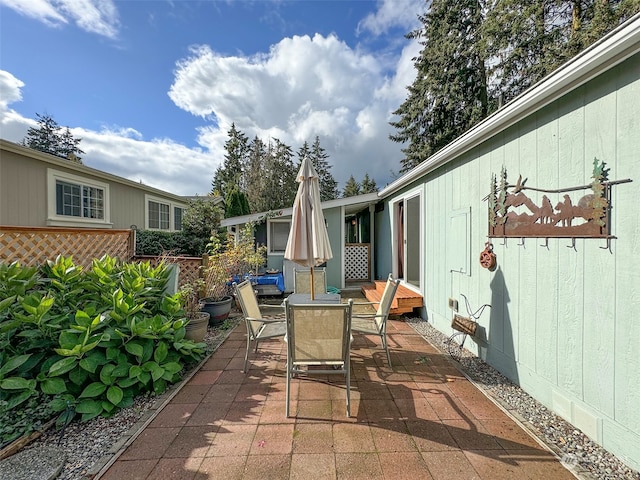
(421,419)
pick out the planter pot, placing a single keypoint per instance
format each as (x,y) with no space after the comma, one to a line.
(217,310)
(196,329)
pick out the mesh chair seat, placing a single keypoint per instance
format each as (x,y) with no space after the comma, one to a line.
(376,323)
(318,342)
(259,327)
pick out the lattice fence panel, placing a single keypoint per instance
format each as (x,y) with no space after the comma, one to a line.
(34,246)
(357,261)
(189,266)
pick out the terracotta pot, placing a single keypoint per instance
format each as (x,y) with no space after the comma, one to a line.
(196,329)
(218,310)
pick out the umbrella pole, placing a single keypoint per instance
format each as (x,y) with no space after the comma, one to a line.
(312,283)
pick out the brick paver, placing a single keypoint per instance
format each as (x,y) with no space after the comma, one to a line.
(419,419)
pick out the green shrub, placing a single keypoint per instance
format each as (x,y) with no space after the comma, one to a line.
(89,340)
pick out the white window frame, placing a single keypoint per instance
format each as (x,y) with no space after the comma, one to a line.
(162,201)
(55,220)
(415,193)
(182,210)
(269,243)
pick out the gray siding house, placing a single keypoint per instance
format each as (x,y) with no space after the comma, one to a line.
(563,322)
(42,190)
(349,225)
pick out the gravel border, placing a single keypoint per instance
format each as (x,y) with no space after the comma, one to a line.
(92,446)
(577,452)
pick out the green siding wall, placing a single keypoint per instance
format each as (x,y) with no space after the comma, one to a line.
(564,322)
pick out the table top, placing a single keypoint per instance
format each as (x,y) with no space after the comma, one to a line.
(305,298)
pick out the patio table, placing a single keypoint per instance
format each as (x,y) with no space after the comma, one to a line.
(305,298)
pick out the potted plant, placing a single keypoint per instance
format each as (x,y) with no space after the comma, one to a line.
(196,328)
(227,262)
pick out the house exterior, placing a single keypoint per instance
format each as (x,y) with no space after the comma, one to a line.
(41,190)
(349,225)
(564,298)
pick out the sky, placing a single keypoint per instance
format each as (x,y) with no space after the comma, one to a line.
(152,87)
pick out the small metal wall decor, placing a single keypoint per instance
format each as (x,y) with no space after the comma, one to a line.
(488,257)
(561,214)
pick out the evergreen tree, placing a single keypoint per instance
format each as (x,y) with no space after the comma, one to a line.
(236,204)
(47,137)
(256,189)
(368,185)
(280,177)
(525,41)
(230,174)
(351,188)
(449,94)
(318,157)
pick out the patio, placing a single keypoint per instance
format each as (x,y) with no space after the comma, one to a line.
(423,419)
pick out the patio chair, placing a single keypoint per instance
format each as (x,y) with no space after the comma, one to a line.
(258,327)
(319,335)
(376,323)
(302,281)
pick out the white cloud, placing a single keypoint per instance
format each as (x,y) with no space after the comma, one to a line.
(160,163)
(391,14)
(93,16)
(9,89)
(301,88)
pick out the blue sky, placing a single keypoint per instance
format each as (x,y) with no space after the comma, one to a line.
(152,87)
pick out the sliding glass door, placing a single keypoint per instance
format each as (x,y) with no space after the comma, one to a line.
(408,239)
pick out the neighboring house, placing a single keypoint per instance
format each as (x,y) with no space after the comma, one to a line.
(563,322)
(41,190)
(350,227)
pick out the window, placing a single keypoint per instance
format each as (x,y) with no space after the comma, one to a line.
(278,236)
(163,214)
(158,215)
(75,200)
(177,218)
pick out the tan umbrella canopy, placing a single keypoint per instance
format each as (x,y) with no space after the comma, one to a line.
(308,244)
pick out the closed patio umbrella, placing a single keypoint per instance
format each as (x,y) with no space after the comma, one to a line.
(308,244)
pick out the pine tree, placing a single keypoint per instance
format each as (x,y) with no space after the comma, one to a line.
(318,157)
(351,188)
(256,180)
(449,94)
(368,185)
(231,174)
(525,41)
(236,204)
(46,137)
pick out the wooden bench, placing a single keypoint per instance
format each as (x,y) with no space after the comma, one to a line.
(404,301)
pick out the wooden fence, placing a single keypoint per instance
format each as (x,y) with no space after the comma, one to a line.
(33,246)
(189,266)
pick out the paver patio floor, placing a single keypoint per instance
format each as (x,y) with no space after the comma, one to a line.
(420,419)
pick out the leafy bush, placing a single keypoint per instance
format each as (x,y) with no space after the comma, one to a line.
(90,340)
(149,242)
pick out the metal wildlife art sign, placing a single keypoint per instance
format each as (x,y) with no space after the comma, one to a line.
(567,212)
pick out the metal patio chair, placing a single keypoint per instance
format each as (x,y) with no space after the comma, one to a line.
(319,335)
(258,326)
(302,281)
(376,323)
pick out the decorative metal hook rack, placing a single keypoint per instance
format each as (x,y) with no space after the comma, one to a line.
(513,213)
